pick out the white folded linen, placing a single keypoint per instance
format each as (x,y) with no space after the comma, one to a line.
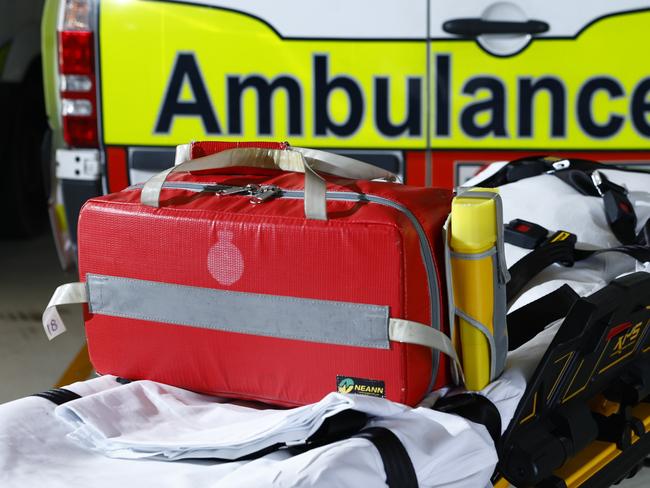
(446,450)
(35,452)
(148,419)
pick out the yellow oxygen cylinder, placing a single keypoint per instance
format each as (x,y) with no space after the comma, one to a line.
(473,244)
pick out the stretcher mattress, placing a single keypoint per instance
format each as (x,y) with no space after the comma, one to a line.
(68,448)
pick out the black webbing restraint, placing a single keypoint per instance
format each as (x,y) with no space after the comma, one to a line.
(337,427)
(58,396)
(397,463)
(473,407)
(559,248)
(528,321)
(348,424)
(585,177)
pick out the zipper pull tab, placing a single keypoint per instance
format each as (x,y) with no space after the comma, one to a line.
(264,194)
(234,190)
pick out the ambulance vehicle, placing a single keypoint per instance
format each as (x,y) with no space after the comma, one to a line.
(430,89)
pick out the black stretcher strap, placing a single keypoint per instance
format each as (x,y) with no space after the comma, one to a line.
(536,261)
(530,166)
(473,407)
(528,321)
(338,427)
(58,396)
(585,177)
(399,469)
(342,425)
(558,248)
(533,263)
(347,424)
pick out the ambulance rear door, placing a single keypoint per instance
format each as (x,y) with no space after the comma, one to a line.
(515,78)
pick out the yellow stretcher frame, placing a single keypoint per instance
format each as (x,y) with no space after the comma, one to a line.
(597,455)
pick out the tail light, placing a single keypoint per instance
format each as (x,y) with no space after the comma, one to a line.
(77,74)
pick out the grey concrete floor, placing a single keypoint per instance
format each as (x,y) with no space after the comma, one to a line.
(29,274)
(29,363)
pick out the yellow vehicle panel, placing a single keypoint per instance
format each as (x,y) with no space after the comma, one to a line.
(594,92)
(340,93)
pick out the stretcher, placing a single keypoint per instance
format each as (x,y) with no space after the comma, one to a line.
(572,401)
(32,435)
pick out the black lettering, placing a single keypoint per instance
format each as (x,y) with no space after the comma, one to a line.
(323,87)
(412,123)
(443,95)
(585,112)
(186,67)
(265,91)
(557,93)
(495,105)
(640,105)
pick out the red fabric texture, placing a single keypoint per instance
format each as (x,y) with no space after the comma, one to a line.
(205,148)
(364,253)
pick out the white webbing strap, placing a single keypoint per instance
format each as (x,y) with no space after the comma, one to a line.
(344,166)
(409,332)
(68,294)
(300,160)
(327,162)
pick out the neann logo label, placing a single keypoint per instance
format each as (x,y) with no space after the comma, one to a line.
(360,386)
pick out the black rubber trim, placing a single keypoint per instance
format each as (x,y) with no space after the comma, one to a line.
(58,396)
(400,472)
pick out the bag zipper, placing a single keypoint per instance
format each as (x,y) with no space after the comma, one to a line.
(262,193)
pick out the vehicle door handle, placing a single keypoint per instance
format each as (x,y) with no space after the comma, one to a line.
(476,27)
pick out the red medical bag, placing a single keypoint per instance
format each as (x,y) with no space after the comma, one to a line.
(231,284)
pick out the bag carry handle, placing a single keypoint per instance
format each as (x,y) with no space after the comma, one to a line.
(300,160)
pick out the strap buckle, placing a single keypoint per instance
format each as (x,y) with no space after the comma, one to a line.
(522,233)
(566,241)
(559,166)
(597,180)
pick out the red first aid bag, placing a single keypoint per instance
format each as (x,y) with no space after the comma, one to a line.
(271,273)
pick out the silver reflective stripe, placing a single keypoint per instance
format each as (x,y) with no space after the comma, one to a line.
(474,257)
(320,321)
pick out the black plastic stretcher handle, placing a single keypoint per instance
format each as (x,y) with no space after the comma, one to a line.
(473,27)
